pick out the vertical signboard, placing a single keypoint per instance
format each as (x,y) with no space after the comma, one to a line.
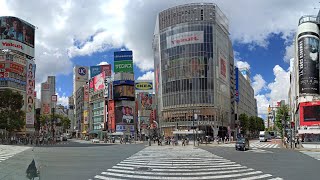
(91,86)
(31,69)
(86,93)
(145,101)
(111,116)
(94,70)
(308,56)
(237,84)
(123,62)
(81,73)
(85,117)
(222,67)
(45,98)
(107,69)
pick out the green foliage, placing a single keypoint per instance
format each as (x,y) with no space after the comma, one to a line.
(282,117)
(251,124)
(11,116)
(244,123)
(64,121)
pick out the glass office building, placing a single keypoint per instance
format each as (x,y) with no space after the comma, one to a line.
(194,70)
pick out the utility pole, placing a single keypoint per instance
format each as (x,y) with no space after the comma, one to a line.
(194,137)
(52,120)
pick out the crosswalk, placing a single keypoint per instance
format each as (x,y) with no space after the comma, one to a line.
(7,151)
(315,155)
(255,144)
(188,163)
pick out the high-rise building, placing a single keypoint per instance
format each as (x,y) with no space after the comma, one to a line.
(17,65)
(71,113)
(194,71)
(304,93)
(48,89)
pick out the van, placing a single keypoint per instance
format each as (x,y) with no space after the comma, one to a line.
(263,136)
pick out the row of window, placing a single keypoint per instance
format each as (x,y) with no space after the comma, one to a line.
(13,85)
(182,98)
(194,84)
(98,105)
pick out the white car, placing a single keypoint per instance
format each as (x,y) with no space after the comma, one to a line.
(95,140)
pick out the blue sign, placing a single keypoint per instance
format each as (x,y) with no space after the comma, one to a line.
(94,70)
(13,80)
(82,71)
(122,55)
(122,128)
(237,84)
(123,82)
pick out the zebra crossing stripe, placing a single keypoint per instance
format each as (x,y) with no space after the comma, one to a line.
(106,178)
(173,167)
(256,177)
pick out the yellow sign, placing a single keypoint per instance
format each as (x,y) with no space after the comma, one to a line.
(143,86)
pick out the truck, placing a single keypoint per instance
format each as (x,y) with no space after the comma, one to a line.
(264,136)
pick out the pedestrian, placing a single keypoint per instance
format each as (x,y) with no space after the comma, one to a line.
(183,142)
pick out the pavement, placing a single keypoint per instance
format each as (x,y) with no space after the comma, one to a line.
(85,161)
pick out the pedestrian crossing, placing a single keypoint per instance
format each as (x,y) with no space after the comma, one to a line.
(8,151)
(255,144)
(188,163)
(315,155)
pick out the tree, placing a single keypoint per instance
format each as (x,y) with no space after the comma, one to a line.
(282,118)
(260,124)
(244,124)
(11,116)
(64,121)
(252,125)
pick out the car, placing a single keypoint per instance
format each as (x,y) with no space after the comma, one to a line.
(242,144)
(95,140)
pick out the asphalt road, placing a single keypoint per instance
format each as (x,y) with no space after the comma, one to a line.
(284,163)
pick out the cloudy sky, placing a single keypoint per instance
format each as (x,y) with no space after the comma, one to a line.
(73,32)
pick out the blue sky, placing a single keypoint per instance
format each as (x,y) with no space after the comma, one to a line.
(76,32)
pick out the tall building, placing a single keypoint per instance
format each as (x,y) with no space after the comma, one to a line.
(48,89)
(17,65)
(71,113)
(194,71)
(304,97)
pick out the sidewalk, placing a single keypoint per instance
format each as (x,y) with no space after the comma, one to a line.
(101,142)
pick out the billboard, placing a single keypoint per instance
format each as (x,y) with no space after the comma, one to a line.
(86,93)
(237,84)
(191,37)
(80,73)
(125,128)
(143,85)
(308,59)
(91,87)
(124,76)
(94,70)
(123,66)
(85,117)
(145,101)
(31,69)
(123,82)
(123,62)
(309,113)
(111,116)
(222,67)
(98,82)
(107,69)
(127,114)
(16,34)
(123,92)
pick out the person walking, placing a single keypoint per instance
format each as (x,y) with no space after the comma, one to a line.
(183,142)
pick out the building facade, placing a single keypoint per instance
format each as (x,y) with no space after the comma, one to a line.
(304,93)
(194,70)
(17,65)
(48,89)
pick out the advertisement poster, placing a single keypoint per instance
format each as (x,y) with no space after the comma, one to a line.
(191,37)
(308,56)
(107,69)
(123,62)
(145,101)
(123,92)
(86,93)
(91,87)
(31,69)
(127,115)
(143,85)
(98,82)
(94,70)
(16,34)
(85,117)
(223,67)
(237,85)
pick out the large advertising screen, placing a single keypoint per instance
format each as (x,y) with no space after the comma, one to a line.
(145,101)
(123,62)
(190,67)
(31,69)
(94,70)
(308,56)
(309,113)
(98,82)
(191,37)
(123,92)
(16,34)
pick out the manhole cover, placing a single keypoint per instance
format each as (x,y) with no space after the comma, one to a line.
(143,169)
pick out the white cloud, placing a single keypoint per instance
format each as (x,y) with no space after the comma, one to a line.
(63,99)
(289,54)
(103,63)
(147,76)
(242,64)
(258,83)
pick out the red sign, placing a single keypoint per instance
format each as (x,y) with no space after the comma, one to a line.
(2,65)
(10,44)
(111,116)
(16,67)
(309,113)
(107,69)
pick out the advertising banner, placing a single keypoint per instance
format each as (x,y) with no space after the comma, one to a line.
(94,70)
(123,82)
(106,87)
(123,92)
(125,128)
(31,69)
(81,73)
(122,55)
(309,113)
(98,81)
(237,84)
(85,117)
(308,56)
(123,66)
(191,37)
(107,69)
(124,76)
(86,93)
(143,85)
(111,116)
(191,67)
(223,67)
(127,115)
(91,87)
(16,34)
(145,101)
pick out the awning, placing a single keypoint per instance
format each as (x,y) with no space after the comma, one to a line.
(116,134)
(94,132)
(309,131)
